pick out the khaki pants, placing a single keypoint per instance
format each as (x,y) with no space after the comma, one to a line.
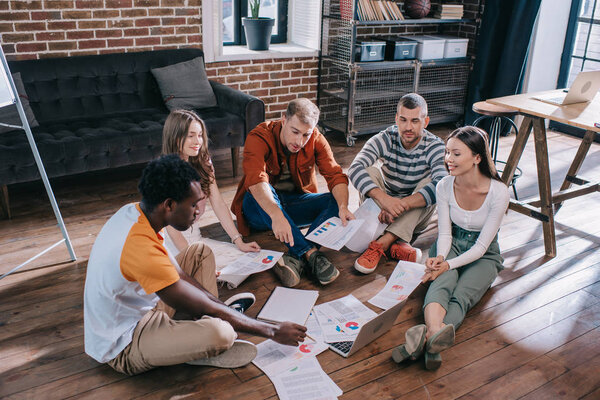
(159,340)
(410,224)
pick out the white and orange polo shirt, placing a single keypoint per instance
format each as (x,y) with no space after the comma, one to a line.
(127,265)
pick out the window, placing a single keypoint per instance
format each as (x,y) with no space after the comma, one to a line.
(233,10)
(584,53)
(301,24)
(581,51)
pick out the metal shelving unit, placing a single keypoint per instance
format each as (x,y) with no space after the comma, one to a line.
(360,97)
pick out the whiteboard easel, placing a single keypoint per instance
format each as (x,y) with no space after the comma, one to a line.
(8,97)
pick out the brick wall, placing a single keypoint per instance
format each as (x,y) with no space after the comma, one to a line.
(59,28)
(276,82)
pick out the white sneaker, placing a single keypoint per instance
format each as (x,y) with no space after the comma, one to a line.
(241,302)
(240,354)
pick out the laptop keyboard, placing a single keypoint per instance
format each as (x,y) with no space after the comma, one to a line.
(344,347)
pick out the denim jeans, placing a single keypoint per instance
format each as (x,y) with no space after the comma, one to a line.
(300,209)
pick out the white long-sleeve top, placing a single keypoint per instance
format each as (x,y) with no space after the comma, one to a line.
(486,219)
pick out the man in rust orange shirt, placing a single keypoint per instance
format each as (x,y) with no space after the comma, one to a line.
(278,191)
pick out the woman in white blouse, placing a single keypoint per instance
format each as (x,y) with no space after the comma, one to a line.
(184,134)
(471,203)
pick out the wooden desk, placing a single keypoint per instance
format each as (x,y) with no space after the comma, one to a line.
(581,115)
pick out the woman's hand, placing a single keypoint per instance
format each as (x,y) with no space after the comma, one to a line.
(246,247)
(431,273)
(433,262)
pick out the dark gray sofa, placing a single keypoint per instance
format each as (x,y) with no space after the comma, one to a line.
(106,111)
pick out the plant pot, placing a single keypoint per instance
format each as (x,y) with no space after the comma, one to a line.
(258,32)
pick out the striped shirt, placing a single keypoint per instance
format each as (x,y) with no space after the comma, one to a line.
(402,169)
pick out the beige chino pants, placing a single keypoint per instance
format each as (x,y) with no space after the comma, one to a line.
(160,340)
(410,224)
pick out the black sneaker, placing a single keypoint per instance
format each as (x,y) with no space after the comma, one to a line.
(322,268)
(289,269)
(240,302)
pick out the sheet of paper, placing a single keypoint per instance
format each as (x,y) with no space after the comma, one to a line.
(341,319)
(313,329)
(403,280)
(224,252)
(274,358)
(332,234)
(252,263)
(371,228)
(306,381)
(227,253)
(287,304)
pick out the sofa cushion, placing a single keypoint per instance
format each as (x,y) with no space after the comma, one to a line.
(224,129)
(10,114)
(84,145)
(185,85)
(60,89)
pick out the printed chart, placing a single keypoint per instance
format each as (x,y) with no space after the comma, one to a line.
(332,234)
(403,280)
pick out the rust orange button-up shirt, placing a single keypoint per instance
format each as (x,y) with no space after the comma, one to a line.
(264,157)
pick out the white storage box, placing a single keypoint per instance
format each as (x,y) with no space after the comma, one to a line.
(454,47)
(429,48)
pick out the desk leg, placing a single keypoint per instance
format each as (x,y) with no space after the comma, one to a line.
(584,147)
(517,150)
(543,169)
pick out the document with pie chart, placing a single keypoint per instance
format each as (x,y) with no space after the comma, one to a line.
(403,280)
(274,358)
(252,262)
(341,319)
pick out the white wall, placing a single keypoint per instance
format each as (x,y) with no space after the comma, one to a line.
(547,46)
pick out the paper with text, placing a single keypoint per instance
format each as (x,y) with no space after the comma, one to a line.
(403,280)
(342,318)
(274,358)
(228,253)
(371,228)
(306,381)
(252,263)
(332,234)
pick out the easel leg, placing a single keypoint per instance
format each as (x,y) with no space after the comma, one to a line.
(543,169)
(4,203)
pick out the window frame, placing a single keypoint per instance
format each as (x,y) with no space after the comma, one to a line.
(240,9)
(568,56)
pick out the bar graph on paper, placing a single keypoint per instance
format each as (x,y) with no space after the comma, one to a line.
(332,234)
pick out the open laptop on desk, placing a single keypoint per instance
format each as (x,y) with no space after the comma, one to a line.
(584,88)
(369,331)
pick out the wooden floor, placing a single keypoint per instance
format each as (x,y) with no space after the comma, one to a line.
(534,335)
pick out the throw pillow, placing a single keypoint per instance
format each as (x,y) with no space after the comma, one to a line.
(10,115)
(185,85)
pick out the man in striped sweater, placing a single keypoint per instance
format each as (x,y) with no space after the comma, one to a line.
(399,168)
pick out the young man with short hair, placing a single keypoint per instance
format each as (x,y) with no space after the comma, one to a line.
(278,191)
(133,286)
(412,163)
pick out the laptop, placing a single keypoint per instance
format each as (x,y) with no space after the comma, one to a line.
(369,331)
(584,88)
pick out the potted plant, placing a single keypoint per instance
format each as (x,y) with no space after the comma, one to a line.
(257,29)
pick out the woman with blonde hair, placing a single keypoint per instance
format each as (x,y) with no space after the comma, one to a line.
(184,134)
(464,262)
